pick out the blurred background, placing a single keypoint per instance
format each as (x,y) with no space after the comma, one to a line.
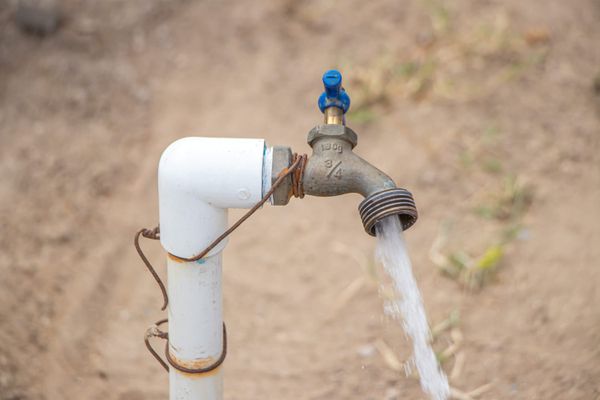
(488,111)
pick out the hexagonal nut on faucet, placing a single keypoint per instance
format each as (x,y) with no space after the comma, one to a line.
(332,131)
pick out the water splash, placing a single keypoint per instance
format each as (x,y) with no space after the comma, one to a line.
(408,307)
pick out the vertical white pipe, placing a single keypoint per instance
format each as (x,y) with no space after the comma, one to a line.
(198,180)
(195,327)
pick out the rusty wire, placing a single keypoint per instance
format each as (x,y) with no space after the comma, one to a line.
(154,331)
(153,234)
(299,162)
(297,187)
(201,370)
(296,171)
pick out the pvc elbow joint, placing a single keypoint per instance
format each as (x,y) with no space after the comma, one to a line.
(198,180)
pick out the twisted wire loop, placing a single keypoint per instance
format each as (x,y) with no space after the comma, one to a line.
(154,331)
(151,332)
(297,187)
(201,370)
(296,171)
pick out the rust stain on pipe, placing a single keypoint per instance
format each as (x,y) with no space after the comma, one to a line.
(197,364)
(175,258)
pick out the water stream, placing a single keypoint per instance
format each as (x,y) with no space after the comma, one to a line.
(408,306)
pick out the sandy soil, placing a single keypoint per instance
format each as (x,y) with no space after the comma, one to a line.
(85,113)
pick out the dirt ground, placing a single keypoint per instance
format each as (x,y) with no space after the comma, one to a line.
(485,110)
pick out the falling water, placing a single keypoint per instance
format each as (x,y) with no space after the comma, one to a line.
(408,307)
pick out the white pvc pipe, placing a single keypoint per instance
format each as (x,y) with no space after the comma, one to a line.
(195,326)
(198,180)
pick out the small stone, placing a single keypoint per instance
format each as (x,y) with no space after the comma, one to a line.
(39,18)
(365,351)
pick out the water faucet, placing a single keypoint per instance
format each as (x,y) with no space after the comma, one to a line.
(334,169)
(200,179)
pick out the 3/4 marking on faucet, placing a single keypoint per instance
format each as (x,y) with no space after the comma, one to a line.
(333,168)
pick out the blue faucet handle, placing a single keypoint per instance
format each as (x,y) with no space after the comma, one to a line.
(334,94)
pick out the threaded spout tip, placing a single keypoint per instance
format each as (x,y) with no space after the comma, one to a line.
(388,202)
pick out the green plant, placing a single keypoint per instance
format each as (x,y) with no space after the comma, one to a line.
(509,203)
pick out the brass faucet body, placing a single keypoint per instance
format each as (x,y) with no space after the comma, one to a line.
(334,169)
